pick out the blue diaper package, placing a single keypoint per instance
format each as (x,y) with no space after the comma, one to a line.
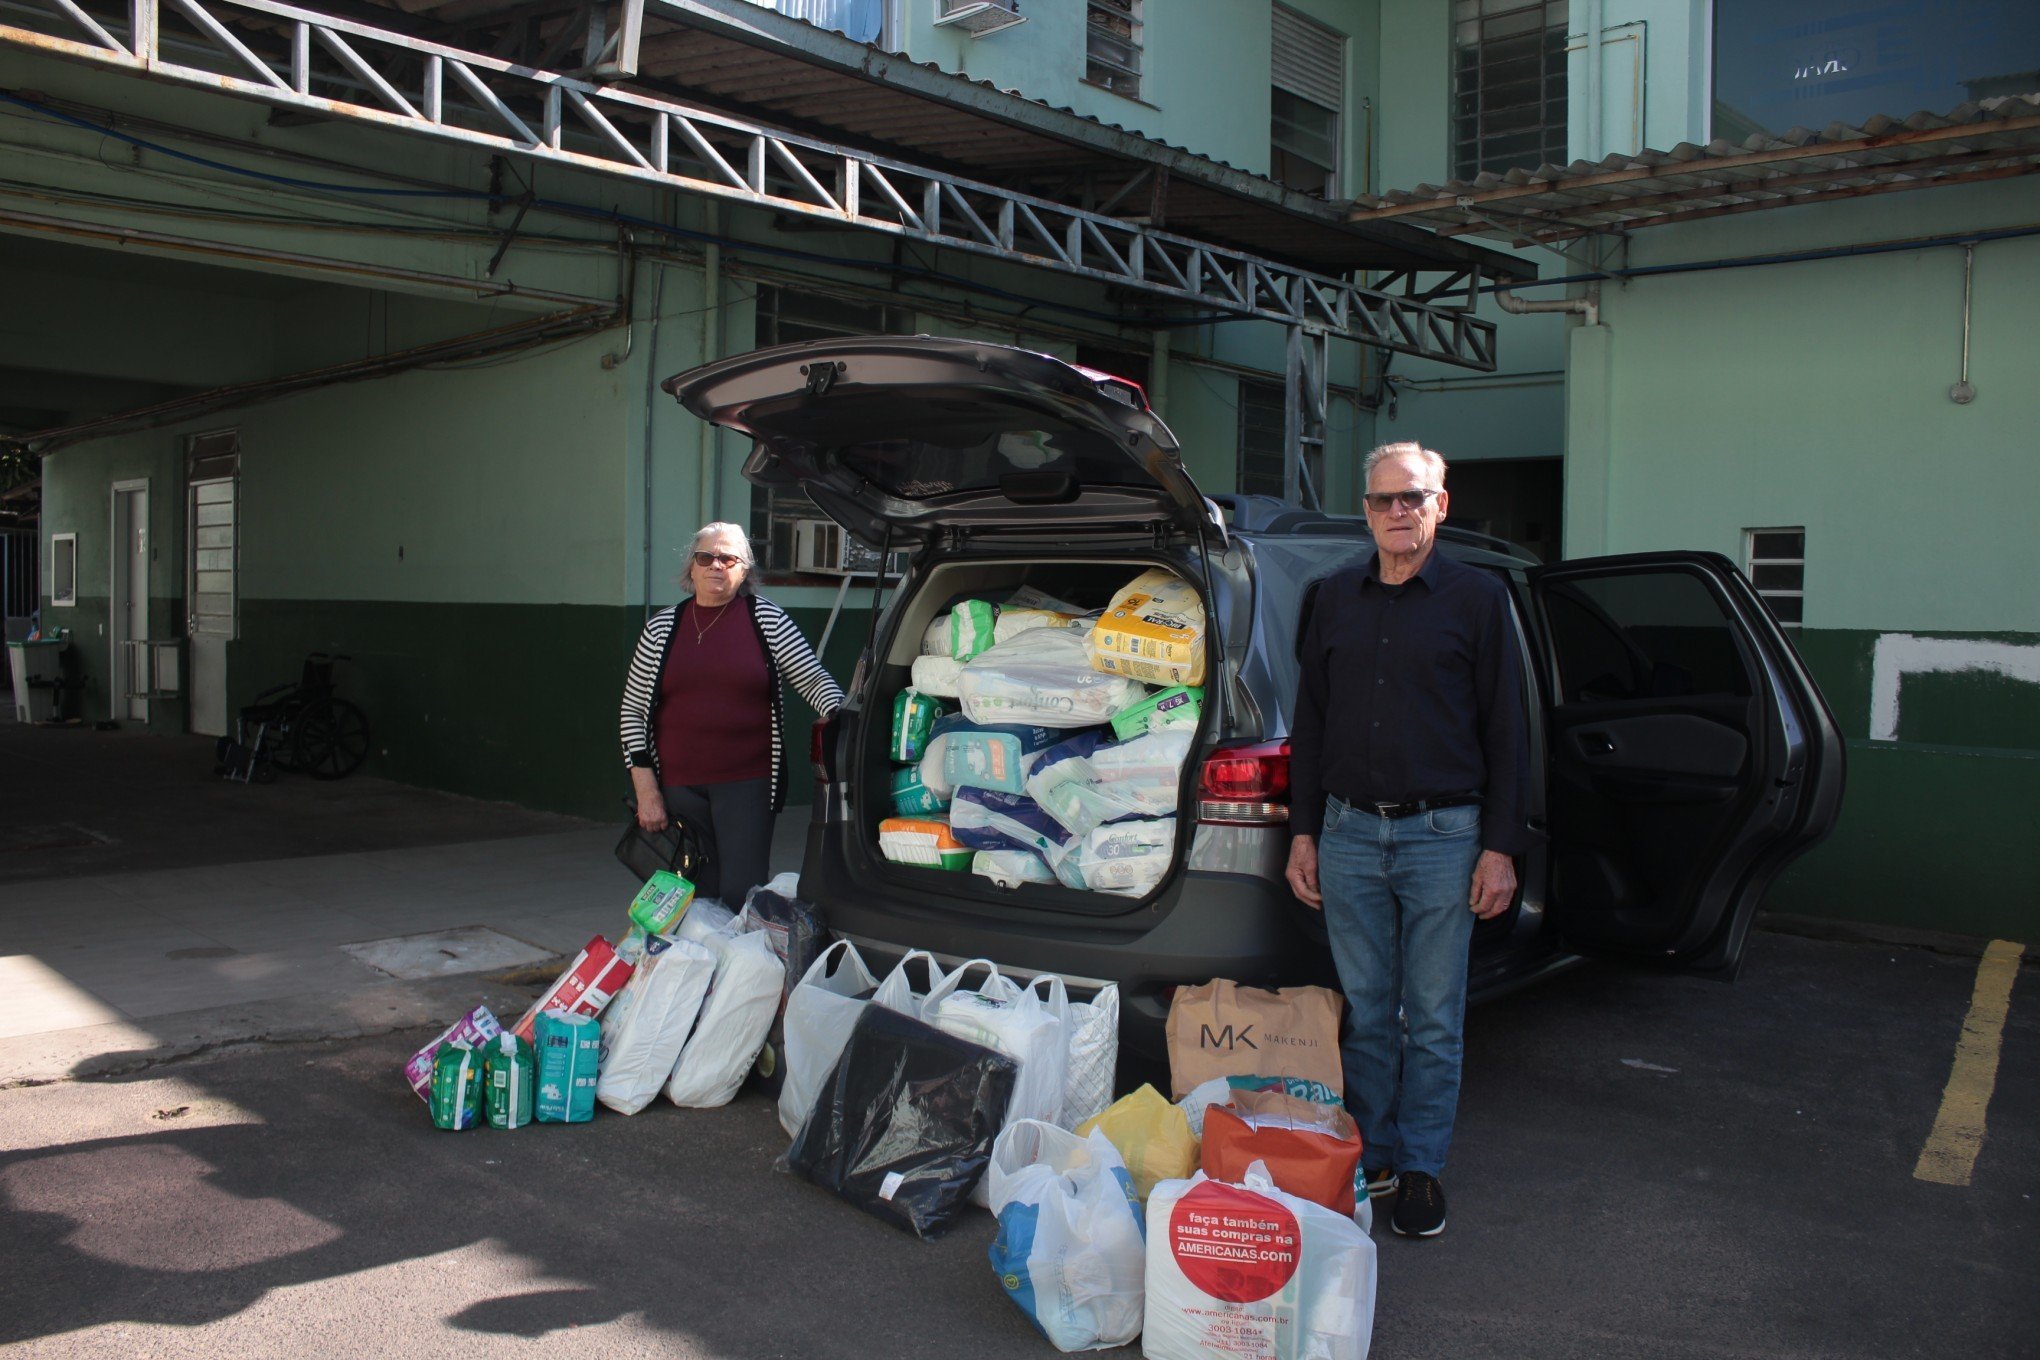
(986,819)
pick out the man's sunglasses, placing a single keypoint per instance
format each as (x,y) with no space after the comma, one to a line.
(1411,500)
(723,560)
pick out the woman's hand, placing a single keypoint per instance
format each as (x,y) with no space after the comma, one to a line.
(651,804)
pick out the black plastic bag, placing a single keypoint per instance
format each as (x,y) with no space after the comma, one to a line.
(904,1128)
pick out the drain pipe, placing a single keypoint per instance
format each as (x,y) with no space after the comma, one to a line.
(711,350)
(1587,308)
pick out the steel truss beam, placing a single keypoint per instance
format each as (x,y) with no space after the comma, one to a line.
(296,58)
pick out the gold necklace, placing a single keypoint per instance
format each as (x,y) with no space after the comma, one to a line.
(701,632)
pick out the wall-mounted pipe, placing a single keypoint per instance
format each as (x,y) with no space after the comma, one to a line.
(1587,308)
(1962,393)
(711,349)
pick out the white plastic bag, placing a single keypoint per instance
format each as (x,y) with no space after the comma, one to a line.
(897,992)
(1147,770)
(1043,677)
(1075,794)
(647,1025)
(1071,1250)
(742,999)
(820,1012)
(707,921)
(1011,868)
(1024,1023)
(1202,1097)
(1093,1055)
(1125,857)
(1250,1270)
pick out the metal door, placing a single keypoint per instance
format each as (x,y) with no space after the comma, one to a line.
(128,607)
(214,599)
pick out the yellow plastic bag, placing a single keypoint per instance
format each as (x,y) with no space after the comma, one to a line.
(1153,1138)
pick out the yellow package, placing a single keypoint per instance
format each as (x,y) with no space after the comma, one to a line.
(1153,1138)
(1152,631)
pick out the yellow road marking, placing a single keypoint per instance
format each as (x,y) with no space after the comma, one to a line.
(1950,1154)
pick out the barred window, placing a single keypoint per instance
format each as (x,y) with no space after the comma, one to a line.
(1508,87)
(1262,422)
(1776,562)
(1112,40)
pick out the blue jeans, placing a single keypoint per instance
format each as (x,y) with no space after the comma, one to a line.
(1396,909)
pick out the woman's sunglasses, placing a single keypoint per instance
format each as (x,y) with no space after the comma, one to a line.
(723,560)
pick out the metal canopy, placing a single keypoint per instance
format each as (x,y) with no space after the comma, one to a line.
(301,59)
(1994,139)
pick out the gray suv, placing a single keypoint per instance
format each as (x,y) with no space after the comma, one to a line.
(1687,756)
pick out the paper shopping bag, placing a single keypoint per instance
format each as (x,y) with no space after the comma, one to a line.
(1225,1030)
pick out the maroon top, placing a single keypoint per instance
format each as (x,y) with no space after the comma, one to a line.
(715,701)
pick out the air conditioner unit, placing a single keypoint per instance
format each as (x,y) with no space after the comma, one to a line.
(822,548)
(979,18)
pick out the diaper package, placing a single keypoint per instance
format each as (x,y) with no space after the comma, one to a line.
(911,796)
(1160,711)
(1044,676)
(914,716)
(998,756)
(925,841)
(972,628)
(937,675)
(1011,868)
(1153,631)
(985,819)
(1148,770)
(1124,857)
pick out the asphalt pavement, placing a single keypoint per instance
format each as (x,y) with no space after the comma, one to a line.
(1646,1167)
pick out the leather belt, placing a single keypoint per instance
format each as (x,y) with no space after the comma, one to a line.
(1394,810)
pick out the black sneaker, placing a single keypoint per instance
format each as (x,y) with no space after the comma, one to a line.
(1419,1205)
(1379,1182)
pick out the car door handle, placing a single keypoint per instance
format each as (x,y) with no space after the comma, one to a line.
(1597,743)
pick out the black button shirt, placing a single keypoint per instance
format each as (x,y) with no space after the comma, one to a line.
(1411,692)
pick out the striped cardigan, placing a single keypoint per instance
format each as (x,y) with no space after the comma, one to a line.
(787,657)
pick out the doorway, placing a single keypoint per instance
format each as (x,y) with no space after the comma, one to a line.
(1519,499)
(212,589)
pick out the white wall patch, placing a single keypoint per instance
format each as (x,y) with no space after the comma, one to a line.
(1898,655)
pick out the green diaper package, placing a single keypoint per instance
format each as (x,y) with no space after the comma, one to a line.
(661,903)
(456,1087)
(508,1074)
(911,796)
(913,718)
(971,627)
(1167,708)
(569,1051)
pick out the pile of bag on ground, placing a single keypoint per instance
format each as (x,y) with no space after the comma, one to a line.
(1232,1221)
(686,1001)
(1030,747)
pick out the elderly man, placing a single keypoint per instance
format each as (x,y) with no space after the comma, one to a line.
(1408,763)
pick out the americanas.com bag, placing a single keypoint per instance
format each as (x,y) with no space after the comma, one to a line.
(508,1079)
(1043,677)
(820,1011)
(1072,1248)
(456,1083)
(569,1054)
(1223,1029)
(904,1126)
(1250,1270)
(1153,1138)
(649,1024)
(1308,1149)
(594,977)
(477,1027)
(741,1003)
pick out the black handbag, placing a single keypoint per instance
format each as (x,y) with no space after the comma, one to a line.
(680,849)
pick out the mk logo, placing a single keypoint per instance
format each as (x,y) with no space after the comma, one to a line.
(1225,1038)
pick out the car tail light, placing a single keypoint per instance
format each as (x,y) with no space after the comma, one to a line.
(818,751)
(1245,785)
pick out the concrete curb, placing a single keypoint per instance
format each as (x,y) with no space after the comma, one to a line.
(1871,932)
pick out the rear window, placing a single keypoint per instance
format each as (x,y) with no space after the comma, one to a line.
(950,440)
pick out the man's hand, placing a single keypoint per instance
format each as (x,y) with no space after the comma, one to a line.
(1494,883)
(651,804)
(1303,871)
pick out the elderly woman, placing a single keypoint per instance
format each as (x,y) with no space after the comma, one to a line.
(704,729)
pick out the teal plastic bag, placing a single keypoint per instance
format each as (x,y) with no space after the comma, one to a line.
(569,1054)
(507,1072)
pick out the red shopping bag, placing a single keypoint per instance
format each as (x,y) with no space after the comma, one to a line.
(1311,1150)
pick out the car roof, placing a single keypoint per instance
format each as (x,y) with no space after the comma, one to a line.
(1258,517)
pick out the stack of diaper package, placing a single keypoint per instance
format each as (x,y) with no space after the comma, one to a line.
(1039,744)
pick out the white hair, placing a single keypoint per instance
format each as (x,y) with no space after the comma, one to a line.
(739,540)
(1433,461)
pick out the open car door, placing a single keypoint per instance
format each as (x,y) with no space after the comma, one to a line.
(1691,755)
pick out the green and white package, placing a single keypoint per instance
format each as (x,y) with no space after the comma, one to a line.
(508,1082)
(456,1087)
(972,628)
(569,1054)
(913,719)
(911,796)
(661,903)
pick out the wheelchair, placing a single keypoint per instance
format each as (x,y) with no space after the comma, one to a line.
(302,727)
